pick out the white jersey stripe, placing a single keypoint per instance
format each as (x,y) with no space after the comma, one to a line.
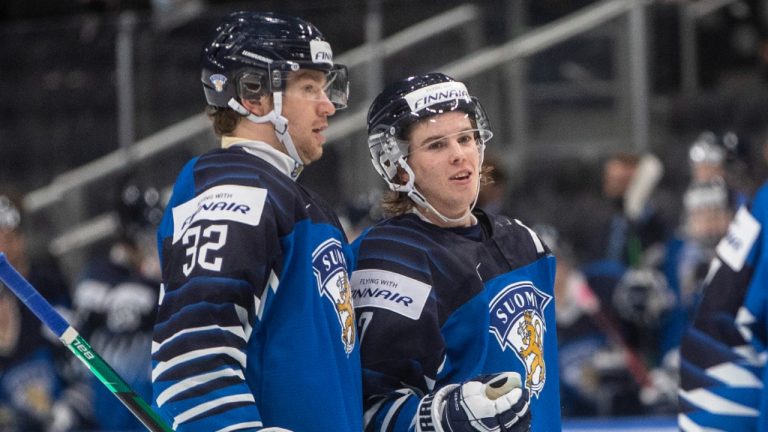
(392,410)
(242,314)
(240,426)
(161,367)
(713,403)
(194,381)
(735,376)
(534,236)
(199,409)
(237,331)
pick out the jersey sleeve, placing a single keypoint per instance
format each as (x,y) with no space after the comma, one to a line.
(722,366)
(392,289)
(218,252)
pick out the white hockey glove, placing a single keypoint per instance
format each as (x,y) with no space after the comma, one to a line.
(495,402)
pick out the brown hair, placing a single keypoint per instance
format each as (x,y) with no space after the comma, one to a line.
(225,120)
(397,203)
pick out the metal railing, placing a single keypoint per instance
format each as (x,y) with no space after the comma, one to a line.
(349,123)
(101,226)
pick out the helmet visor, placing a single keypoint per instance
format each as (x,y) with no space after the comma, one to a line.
(466,139)
(308,82)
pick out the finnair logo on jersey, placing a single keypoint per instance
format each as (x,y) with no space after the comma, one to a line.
(330,269)
(436,93)
(517,321)
(234,203)
(742,233)
(321,52)
(391,291)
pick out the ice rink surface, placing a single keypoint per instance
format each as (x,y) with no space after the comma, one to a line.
(633,424)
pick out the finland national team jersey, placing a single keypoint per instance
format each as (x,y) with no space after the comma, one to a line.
(723,353)
(115,309)
(438,306)
(255,325)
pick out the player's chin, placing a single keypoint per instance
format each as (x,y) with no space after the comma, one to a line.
(314,155)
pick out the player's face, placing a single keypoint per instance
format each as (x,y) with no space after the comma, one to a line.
(445,158)
(307,108)
(708,225)
(616,178)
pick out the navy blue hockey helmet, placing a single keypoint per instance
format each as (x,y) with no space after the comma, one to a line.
(405,102)
(253,52)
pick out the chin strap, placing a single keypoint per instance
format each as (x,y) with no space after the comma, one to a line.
(281,128)
(420,200)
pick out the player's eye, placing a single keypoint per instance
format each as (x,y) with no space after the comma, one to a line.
(436,144)
(466,139)
(312,89)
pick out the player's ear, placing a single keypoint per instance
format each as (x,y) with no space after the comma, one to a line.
(259,105)
(401,176)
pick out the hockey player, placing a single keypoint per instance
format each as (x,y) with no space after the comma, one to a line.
(723,353)
(451,303)
(31,359)
(255,324)
(115,300)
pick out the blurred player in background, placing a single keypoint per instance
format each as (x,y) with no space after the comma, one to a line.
(31,358)
(115,300)
(714,156)
(723,354)
(707,212)
(255,325)
(451,302)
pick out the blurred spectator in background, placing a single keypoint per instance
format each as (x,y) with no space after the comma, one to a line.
(31,358)
(707,158)
(627,224)
(613,302)
(578,336)
(609,325)
(115,301)
(721,156)
(708,210)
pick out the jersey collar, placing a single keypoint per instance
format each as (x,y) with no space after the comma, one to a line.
(284,163)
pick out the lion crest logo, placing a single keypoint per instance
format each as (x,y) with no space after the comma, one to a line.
(218,81)
(330,269)
(517,321)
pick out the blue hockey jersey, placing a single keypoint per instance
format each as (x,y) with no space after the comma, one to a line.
(32,361)
(437,306)
(255,324)
(723,352)
(115,311)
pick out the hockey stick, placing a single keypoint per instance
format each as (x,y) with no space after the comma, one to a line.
(605,322)
(69,337)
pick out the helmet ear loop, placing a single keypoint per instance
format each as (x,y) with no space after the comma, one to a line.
(281,130)
(417,197)
(279,123)
(481,150)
